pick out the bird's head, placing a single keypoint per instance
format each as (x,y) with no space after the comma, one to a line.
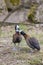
(17,28)
(22,32)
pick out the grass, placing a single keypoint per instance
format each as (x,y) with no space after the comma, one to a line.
(15,2)
(24,57)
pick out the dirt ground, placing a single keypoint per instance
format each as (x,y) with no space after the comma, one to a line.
(23,57)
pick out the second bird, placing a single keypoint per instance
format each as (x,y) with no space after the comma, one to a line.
(32,42)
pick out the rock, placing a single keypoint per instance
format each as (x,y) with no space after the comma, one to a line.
(4,11)
(39,13)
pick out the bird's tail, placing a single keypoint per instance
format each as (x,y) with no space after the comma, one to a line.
(38,48)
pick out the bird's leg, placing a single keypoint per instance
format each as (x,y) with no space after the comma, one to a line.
(15,48)
(18,46)
(36,51)
(31,50)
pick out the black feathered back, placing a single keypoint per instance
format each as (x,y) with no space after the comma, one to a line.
(34,43)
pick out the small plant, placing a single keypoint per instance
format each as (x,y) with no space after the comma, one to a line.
(15,2)
(32,12)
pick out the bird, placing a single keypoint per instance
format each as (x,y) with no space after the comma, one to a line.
(32,42)
(17,36)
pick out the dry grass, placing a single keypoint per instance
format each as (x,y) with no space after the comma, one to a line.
(23,57)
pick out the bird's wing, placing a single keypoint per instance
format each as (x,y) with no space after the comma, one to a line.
(14,38)
(34,42)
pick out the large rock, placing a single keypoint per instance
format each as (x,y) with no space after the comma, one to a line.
(18,17)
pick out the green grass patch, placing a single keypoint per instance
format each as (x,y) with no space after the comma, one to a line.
(32,12)
(15,2)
